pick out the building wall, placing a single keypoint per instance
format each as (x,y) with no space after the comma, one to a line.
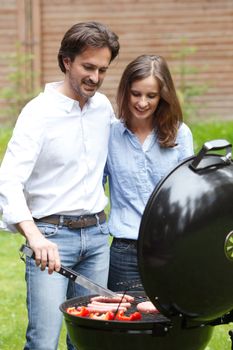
(8,35)
(164,27)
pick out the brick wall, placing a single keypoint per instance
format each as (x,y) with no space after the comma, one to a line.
(164,27)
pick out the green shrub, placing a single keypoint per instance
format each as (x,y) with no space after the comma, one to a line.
(187,90)
(20,84)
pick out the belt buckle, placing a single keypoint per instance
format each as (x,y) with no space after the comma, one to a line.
(81,222)
(70,224)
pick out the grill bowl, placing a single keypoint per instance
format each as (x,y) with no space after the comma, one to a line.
(152,332)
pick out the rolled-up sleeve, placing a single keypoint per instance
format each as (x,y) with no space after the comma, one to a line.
(21,155)
(185,142)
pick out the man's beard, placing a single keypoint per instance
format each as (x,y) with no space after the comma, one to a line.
(77,88)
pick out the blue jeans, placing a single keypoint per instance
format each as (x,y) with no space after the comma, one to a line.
(123,272)
(85,251)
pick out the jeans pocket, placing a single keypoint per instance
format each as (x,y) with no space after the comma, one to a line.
(104,228)
(47,230)
(120,246)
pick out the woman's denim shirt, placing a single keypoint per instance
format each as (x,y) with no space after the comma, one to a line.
(133,173)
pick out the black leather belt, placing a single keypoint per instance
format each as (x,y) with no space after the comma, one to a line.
(74,222)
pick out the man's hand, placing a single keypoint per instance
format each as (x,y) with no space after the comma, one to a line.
(46,252)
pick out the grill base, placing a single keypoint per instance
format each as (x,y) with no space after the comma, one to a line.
(95,338)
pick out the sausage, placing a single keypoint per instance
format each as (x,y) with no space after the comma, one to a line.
(104,299)
(104,308)
(126,305)
(128,297)
(147,307)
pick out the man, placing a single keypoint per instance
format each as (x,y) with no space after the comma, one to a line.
(51,179)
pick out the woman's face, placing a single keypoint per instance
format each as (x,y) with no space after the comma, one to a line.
(144,98)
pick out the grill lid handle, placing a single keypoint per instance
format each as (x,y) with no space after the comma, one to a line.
(201,162)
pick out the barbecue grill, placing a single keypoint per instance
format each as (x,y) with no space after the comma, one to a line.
(185,259)
(153,332)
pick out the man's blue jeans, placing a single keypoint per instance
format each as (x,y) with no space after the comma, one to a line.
(85,251)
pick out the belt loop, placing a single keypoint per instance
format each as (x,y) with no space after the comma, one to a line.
(97,219)
(61,221)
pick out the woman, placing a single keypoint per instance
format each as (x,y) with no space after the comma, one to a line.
(145,144)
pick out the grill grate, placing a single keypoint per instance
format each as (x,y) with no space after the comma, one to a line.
(138,298)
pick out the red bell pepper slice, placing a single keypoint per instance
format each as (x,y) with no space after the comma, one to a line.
(133,317)
(108,316)
(136,316)
(81,311)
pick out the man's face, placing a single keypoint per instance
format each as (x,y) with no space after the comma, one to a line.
(86,73)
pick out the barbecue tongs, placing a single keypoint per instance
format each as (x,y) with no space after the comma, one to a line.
(74,276)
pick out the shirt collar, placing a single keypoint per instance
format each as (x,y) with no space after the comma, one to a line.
(63,100)
(123,128)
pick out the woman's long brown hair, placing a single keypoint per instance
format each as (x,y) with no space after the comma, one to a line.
(168,114)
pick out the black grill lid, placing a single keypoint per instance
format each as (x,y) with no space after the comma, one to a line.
(185,246)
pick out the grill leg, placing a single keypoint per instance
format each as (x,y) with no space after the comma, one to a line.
(231,336)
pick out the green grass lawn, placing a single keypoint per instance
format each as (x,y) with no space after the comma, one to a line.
(5,134)
(13,317)
(203,132)
(13,314)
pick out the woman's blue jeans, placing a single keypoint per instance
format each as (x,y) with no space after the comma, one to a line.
(85,251)
(123,272)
